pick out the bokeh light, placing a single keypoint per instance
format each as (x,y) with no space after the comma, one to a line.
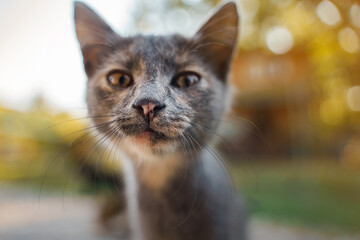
(355,15)
(353,98)
(279,40)
(328,13)
(349,40)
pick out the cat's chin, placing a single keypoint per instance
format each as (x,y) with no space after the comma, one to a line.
(147,145)
(150,138)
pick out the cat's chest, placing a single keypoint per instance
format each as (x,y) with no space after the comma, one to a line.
(179,213)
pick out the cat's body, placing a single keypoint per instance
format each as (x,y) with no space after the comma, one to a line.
(158,99)
(198,204)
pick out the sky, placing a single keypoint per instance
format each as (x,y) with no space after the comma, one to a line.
(39,53)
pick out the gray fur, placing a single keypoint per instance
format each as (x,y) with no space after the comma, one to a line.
(182,191)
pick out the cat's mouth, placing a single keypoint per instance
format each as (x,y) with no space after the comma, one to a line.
(151,135)
(148,133)
(149,130)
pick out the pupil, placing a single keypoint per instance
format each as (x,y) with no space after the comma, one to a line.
(188,81)
(121,80)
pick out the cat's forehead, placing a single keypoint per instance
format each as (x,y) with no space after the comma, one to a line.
(152,46)
(152,53)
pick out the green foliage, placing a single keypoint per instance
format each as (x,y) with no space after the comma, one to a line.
(322,195)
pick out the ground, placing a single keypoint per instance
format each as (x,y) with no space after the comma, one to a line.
(25,216)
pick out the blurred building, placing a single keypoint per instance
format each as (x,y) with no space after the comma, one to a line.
(274,95)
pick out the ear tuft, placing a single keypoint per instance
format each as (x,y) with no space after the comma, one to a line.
(216,40)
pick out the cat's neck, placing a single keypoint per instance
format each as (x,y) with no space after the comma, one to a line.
(156,172)
(166,184)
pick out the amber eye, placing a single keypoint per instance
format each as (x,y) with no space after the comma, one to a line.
(185,80)
(119,79)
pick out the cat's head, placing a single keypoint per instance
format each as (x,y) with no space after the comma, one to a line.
(157,94)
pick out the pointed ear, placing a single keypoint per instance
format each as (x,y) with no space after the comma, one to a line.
(94,35)
(216,40)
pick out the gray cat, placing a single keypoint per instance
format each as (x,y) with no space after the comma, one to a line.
(158,99)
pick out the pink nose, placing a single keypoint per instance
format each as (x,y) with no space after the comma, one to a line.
(149,110)
(149,107)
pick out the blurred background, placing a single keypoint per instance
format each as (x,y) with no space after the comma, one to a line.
(292,139)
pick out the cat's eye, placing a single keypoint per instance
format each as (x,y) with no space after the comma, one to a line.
(186,79)
(119,79)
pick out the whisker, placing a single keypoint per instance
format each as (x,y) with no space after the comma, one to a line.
(115,154)
(71,120)
(100,160)
(92,129)
(184,147)
(193,205)
(218,160)
(201,167)
(89,152)
(212,132)
(257,130)
(54,160)
(227,121)
(114,146)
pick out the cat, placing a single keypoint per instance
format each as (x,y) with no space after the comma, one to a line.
(158,100)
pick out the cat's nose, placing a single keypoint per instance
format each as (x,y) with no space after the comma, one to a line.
(149,107)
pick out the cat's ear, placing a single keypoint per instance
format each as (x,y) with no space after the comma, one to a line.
(216,40)
(94,35)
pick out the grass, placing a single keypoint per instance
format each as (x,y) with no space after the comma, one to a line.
(322,195)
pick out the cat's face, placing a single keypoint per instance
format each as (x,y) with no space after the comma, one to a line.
(157,94)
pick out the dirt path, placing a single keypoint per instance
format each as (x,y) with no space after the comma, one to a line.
(24,217)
